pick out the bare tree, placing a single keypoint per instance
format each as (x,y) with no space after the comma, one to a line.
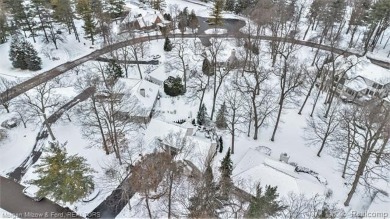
(369,124)
(5,86)
(179,59)
(321,130)
(290,79)
(234,107)
(216,47)
(42,100)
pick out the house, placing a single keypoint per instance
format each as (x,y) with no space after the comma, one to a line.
(140,93)
(255,167)
(363,80)
(158,76)
(172,137)
(145,21)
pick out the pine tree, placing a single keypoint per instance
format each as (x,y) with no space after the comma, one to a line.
(202,115)
(85,9)
(265,205)
(193,21)
(216,13)
(220,121)
(229,5)
(34,62)
(206,67)
(17,53)
(116,8)
(4,28)
(167,45)
(182,24)
(226,169)
(240,6)
(173,86)
(221,144)
(114,70)
(64,177)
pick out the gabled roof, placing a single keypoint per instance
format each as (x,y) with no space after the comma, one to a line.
(356,84)
(258,167)
(364,68)
(134,86)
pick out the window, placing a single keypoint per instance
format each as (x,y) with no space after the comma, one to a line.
(377,86)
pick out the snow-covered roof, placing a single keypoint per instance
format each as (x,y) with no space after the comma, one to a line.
(257,167)
(161,129)
(159,73)
(200,152)
(146,101)
(356,84)
(366,69)
(197,150)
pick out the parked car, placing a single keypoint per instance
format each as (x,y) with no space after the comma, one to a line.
(31,191)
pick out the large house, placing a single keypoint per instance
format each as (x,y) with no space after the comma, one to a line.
(363,81)
(142,94)
(182,139)
(145,21)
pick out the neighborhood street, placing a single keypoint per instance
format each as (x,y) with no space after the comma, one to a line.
(13,200)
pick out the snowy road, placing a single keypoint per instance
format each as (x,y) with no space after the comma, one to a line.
(14,201)
(48,75)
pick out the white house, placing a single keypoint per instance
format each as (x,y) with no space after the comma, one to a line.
(142,93)
(172,137)
(363,80)
(255,167)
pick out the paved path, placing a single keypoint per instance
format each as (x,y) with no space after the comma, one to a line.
(14,201)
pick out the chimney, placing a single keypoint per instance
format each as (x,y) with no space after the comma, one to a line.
(233,53)
(142,92)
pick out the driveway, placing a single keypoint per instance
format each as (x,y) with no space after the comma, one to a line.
(14,201)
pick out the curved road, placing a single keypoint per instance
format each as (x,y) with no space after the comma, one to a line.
(50,74)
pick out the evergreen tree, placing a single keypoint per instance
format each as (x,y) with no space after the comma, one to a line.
(173,86)
(4,28)
(206,67)
(221,145)
(229,5)
(220,121)
(114,70)
(167,45)
(85,9)
(202,115)
(265,205)
(240,6)
(216,13)
(226,169)
(34,62)
(193,22)
(206,201)
(64,177)
(182,24)
(116,8)
(17,53)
